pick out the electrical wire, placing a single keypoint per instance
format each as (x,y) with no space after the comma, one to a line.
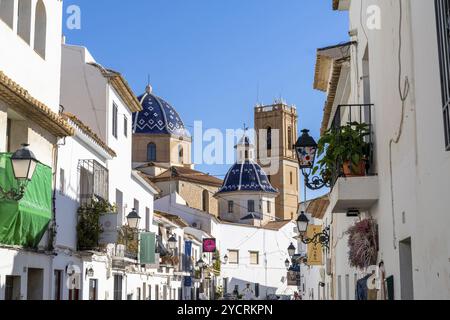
(403,93)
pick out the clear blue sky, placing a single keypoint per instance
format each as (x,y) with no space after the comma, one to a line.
(207,57)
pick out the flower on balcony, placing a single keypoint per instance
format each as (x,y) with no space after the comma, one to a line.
(170,260)
(363,244)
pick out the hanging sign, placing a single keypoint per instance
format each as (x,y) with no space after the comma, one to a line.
(315,251)
(209,245)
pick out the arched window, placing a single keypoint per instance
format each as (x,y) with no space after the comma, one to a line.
(180,154)
(290,144)
(24,20)
(269,138)
(205,198)
(151,152)
(7,12)
(40,29)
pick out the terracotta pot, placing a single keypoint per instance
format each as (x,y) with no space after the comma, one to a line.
(350,170)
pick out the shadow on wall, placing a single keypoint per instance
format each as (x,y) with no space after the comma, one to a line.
(260,292)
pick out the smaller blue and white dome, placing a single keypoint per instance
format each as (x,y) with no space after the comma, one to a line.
(247,176)
(157,116)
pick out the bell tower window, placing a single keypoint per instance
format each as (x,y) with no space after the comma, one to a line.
(151,152)
(269,138)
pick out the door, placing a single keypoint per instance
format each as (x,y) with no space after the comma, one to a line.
(406,270)
(93,289)
(12,288)
(117,287)
(58,274)
(35,284)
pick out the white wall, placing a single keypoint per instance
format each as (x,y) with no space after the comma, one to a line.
(271,271)
(420,164)
(19,61)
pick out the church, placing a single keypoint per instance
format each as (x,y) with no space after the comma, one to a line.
(249,213)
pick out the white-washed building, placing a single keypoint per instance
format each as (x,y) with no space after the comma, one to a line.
(395,71)
(30,68)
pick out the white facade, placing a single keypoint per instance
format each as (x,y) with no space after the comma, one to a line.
(400,76)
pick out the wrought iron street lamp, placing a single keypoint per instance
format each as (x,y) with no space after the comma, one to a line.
(172,243)
(200,263)
(302,223)
(90,272)
(306,149)
(287,263)
(24,164)
(133,219)
(322,238)
(225,259)
(291,250)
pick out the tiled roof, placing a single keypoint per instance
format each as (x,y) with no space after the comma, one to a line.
(172,218)
(190,175)
(20,100)
(318,207)
(121,86)
(88,131)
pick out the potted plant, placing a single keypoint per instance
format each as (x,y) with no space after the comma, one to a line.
(345,150)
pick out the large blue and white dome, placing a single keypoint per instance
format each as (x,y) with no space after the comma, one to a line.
(246,176)
(157,116)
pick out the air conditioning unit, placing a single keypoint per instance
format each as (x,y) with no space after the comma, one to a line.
(110,227)
(120,251)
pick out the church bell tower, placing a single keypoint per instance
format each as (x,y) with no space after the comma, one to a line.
(276,127)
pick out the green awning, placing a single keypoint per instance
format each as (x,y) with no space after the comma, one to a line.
(147,248)
(24,222)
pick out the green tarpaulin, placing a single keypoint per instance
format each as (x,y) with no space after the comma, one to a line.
(24,222)
(147,248)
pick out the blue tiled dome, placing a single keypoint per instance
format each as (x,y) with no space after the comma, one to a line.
(247,176)
(157,117)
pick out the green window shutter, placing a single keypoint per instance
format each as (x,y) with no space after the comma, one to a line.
(147,248)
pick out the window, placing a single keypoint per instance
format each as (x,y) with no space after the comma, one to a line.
(136,205)
(291,178)
(233,256)
(151,152)
(251,206)
(156,292)
(257,290)
(12,288)
(269,206)
(115,113)
(74,294)
(180,154)
(205,200)
(225,285)
(149,292)
(7,12)
(119,204)
(62,181)
(40,29)
(230,206)
(24,20)
(254,257)
(125,126)
(290,144)
(147,219)
(93,180)
(93,289)
(269,138)
(117,287)
(58,274)
(443,26)
(138,294)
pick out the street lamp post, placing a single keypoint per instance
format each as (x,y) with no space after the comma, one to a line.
(24,164)
(306,149)
(322,238)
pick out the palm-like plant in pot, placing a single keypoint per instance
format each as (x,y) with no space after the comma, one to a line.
(343,151)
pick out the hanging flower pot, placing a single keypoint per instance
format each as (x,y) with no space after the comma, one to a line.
(363,244)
